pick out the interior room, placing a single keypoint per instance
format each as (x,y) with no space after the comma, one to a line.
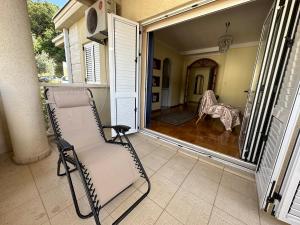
(199,85)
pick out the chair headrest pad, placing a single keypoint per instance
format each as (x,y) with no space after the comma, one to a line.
(66,97)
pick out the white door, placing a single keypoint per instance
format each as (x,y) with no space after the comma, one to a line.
(283,117)
(123,42)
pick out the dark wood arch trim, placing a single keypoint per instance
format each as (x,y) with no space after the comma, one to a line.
(203,62)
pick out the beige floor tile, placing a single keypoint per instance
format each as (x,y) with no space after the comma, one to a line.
(183,161)
(13,181)
(202,187)
(153,161)
(188,152)
(239,184)
(164,152)
(135,139)
(47,164)
(47,223)
(239,172)
(17,195)
(238,205)
(69,216)
(203,181)
(175,170)
(107,221)
(212,172)
(31,212)
(8,169)
(189,209)
(267,219)
(155,140)
(146,213)
(141,180)
(145,148)
(211,161)
(116,202)
(151,139)
(58,198)
(168,145)
(219,217)
(162,190)
(166,219)
(45,181)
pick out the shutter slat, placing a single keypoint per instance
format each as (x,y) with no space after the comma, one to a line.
(92,62)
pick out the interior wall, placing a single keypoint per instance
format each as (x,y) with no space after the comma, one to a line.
(234,74)
(162,51)
(239,66)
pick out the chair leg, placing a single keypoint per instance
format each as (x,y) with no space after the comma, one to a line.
(134,204)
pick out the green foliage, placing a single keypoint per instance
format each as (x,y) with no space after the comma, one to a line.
(45,64)
(43,31)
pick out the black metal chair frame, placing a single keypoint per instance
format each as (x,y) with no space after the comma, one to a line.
(68,158)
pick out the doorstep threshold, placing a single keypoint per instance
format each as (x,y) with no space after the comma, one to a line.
(204,152)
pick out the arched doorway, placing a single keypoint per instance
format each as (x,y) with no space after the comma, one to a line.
(201,75)
(165,93)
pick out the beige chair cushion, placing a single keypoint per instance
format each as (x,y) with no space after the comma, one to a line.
(111,168)
(78,126)
(67,97)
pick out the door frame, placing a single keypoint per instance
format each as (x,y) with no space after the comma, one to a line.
(168,21)
(172,17)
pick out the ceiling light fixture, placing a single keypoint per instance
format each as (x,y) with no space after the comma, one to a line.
(225,40)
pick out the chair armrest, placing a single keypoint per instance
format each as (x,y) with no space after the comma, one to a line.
(119,128)
(64,145)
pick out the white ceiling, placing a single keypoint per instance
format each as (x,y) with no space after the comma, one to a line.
(203,32)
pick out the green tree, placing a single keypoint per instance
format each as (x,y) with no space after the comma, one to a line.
(43,31)
(45,65)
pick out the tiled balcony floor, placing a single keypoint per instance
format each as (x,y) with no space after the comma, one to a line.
(185,190)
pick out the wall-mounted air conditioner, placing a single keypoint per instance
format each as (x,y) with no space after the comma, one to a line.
(96,19)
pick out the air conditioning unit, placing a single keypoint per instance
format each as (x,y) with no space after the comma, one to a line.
(96,19)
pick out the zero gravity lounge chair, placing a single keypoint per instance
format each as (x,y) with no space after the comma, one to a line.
(106,167)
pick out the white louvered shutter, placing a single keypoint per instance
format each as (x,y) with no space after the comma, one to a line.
(123,42)
(288,209)
(283,124)
(89,64)
(92,62)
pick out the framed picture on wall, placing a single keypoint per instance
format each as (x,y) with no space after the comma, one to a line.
(155,97)
(155,81)
(156,64)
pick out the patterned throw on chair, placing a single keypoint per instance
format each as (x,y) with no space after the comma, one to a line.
(229,116)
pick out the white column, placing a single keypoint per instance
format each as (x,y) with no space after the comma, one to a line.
(19,84)
(68,54)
